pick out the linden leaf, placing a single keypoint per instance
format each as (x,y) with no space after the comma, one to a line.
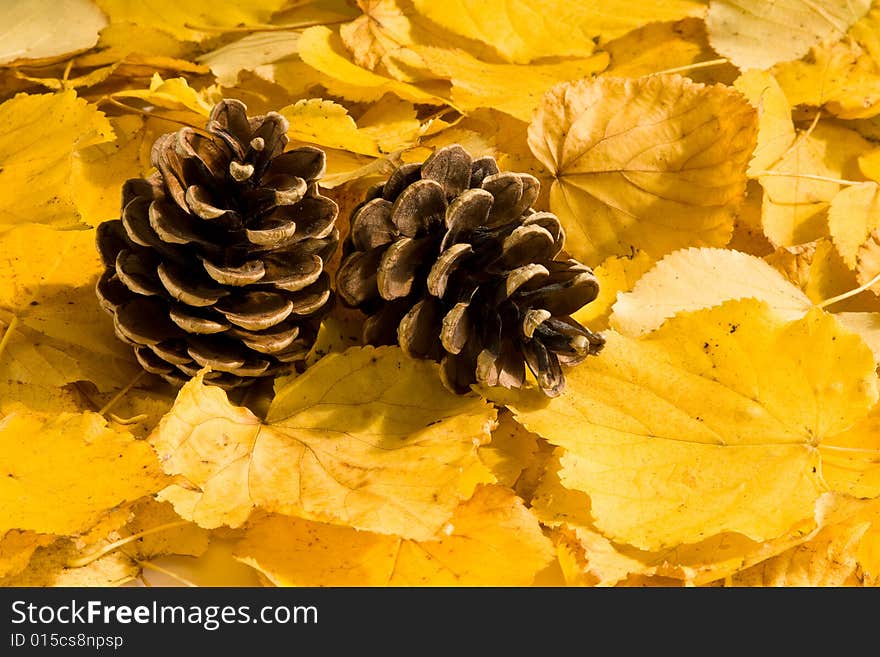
(866,325)
(776,131)
(190,20)
(657,47)
(49,567)
(493,540)
(480,84)
(329,124)
(655,164)
(511,450)
(830,559)
(16,549)
(36,156)
(869,164)
(522,31)
(368,438)
(159,530)
(251,53)
(851,459)
(854,224)
(708,421)
(691,279)
(755,34)
(799,188)
(616,274)
(598,561)
(99,171)
(30,28)
(175,94)
(75,458)
(323,50)
(839,77)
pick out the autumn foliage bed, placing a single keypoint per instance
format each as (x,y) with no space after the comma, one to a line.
(716,164)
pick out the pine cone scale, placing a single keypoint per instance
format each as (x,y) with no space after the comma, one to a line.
(218,259)
(467,274)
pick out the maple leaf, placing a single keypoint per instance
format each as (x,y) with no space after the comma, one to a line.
(655,163)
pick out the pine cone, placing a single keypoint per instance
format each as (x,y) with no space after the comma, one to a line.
(449,260)
(218,258)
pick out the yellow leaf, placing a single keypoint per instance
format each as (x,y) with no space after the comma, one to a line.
(161,531)
(58,334)
(830,559)
(851,459)
(99,171)
(16,549)
(691,279)
(326,123)
(854,224)
(323,50)
(139,44)
(775,128)
(75,458)
(175,94)
(493,540)
(616,274)
(30,29)
(755,34)
(480,84)
(817,269)
(799,188)
(595,560)
(367,438)
(190,20)
(49,567)
(869,164)
(655,164)
(250,53)
(392,122)
(511,450)
(838,77)
(215,567)
(36,156)
(866,325)
(656,47)
(521,31)
(707,422)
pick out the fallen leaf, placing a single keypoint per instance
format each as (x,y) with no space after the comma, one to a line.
(29,29)
(329,124)
(252,52)
(691,279)
(493,540)
(511,450)
(753,34)
(707,421)
(16,549)
(655,164)
(74,457)
(348,453)
(49,567)
(616,274)
(36,156)
(776,132)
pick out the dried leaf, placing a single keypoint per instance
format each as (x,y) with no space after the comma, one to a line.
(36,157)
(347,442)
(707,421)
(653,164)
(29,29)
(753,34)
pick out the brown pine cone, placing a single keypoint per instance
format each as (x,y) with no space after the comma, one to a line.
(218,258)
(448,260)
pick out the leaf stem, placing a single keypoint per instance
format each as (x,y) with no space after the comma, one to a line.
(850,293)
(119,395)
(8,333)
(262,28)
(150,565)
(691,67)
(115,545)
(810,176)
(152,115)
